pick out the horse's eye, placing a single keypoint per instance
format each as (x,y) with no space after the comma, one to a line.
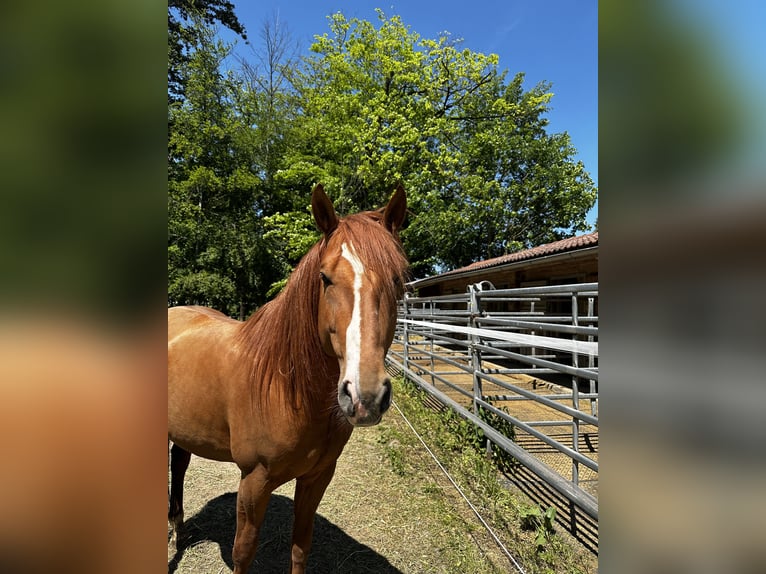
(325,280)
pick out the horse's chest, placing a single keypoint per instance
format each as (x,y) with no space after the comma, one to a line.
(317,450)
(326,452)
(292,450)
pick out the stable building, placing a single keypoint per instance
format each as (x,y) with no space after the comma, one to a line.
(571,260)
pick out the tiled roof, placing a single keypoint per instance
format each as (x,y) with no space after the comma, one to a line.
(569,244)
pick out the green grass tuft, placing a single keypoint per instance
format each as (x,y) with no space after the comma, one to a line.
(461,448)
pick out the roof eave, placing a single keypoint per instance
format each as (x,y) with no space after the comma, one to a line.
(426,281)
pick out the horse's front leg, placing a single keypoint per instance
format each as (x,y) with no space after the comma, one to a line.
(308,493)
(252,500)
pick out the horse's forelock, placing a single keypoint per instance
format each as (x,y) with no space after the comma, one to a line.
(380,252)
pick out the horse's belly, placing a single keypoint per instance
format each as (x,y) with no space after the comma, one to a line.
(199,430)
(212,451)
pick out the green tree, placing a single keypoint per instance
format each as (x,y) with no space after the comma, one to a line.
(483,175)
(183,34)
(270,107)
(373,105)
(217,254)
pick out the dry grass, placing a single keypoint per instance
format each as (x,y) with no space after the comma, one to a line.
(388,510)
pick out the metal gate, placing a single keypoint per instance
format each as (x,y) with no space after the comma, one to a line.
(529,356)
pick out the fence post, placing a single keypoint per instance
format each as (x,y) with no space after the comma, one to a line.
(575,394)
(431,334)
(474,317)
(592,362)
(576,406)
(533,350)
(474,310)
(405,335)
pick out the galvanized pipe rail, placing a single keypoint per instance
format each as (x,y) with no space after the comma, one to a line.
(458,335)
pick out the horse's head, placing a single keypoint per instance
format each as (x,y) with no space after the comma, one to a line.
(361,272)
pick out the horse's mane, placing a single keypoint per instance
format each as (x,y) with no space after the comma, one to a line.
(281,341)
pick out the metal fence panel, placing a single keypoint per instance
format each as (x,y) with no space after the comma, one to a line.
(490,349)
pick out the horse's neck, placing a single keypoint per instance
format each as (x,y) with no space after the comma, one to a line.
(310,372)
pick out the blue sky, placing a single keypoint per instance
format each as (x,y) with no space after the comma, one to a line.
(548,40)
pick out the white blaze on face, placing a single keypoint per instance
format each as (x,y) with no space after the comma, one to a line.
(354,331)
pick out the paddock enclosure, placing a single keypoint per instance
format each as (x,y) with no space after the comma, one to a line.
(528,357)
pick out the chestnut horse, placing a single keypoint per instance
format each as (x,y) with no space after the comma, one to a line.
(280,393)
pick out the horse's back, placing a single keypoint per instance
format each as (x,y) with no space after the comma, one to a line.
(187,317)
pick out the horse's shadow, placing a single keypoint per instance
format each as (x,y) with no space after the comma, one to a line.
(332,550)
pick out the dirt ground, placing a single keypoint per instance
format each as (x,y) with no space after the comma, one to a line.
(395,526)
(374,517)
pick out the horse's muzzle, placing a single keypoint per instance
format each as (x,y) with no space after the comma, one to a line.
(366,408)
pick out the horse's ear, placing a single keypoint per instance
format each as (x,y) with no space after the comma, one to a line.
(324,213)
(396,210)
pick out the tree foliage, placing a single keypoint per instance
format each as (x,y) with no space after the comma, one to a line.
(216,253)
(373,104)
(484,177)
(184,34)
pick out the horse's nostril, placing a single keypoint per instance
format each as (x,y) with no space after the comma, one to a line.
(385,397)
(346,389)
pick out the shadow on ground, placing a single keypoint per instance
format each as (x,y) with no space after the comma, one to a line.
(332,551)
